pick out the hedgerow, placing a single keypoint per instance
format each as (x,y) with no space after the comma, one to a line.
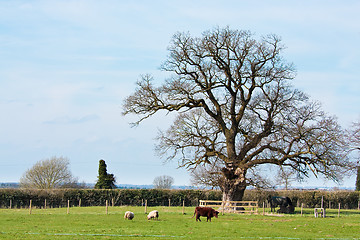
(310,198)
(20,198)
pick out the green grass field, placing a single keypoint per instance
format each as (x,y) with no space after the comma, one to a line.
(94,223)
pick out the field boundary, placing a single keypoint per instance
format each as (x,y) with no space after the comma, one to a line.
(250,207)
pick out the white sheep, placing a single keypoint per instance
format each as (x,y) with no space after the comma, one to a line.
(153,214)
(129,215)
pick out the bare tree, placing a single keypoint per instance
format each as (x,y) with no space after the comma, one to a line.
(354,136)
(354,143)
(207,176)
(49,173)
(285,177)
(236,105)
(163,182)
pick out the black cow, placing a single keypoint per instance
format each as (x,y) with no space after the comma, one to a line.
(284,203)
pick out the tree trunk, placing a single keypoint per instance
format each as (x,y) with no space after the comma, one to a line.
(234,184)
(232,191)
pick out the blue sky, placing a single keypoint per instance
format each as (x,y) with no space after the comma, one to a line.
(66,66)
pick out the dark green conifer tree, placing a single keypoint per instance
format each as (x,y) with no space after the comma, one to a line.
(105,180)
(358,179)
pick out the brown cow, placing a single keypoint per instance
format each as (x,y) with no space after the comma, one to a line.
(207,212)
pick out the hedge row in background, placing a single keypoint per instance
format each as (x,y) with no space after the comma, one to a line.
(310,198)
(19,198)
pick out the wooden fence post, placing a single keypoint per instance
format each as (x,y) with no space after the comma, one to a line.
(112,202)
(80,202)
(302,206)
(30,206)
(106,203)
(68,207)
(339,210)
(45,204)
(222,207)
(145,206)
(10,203)
(263,208)
(169,202)
(183,209)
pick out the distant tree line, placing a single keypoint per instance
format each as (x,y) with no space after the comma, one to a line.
(9,185)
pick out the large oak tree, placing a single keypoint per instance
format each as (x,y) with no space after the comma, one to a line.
(237,109)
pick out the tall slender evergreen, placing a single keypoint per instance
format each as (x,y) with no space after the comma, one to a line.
(105,180)
(358,179)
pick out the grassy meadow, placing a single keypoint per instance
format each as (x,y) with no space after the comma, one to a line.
(94,223)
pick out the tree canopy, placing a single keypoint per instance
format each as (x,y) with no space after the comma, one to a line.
(49,173)
(237,109)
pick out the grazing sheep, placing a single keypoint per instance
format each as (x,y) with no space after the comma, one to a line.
(129,215)
(153,214)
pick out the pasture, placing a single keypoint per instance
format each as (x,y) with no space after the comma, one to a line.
(94,223)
